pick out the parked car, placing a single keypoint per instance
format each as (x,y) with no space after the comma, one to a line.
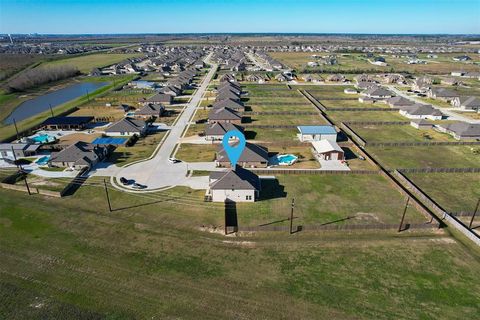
(124,181)
(173,160)
(139,186)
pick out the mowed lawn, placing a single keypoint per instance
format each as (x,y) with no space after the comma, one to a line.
(345,116)
(70,259)
(454,192)
(86,63)
(424,157)
(398,133)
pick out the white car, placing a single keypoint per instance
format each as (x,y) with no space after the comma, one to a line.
(173,160)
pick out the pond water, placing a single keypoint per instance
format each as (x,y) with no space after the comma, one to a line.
(55,98)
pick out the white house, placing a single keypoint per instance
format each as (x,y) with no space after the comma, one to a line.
(327,150)
(421,111)
(316,133)
(239,185)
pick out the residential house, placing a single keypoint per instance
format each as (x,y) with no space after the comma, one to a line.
(253,156)
(224,115)
(79,155)
(421,111)
(421,124)
(216,130)
(230,104)
(17,150)
(159,98)
(461,130)
(65,123)
(150,110)
(327,150)
(377,93)
(398,101)
(127,127)
(239,185)
(336,78)
(466,103)
(443,94)
(316,133)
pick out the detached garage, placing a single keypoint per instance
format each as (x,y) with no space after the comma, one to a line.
(327,150)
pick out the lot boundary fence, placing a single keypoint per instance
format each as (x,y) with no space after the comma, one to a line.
(380,123)
(299,113)
(341,227)
(422,143)
(448,218)
(439,170)
(313,171)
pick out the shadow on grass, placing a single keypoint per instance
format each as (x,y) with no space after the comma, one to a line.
(349,154)
(271,189)
(231,218)
(250,135)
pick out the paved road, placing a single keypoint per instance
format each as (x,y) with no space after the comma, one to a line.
(451,114)
(158,172)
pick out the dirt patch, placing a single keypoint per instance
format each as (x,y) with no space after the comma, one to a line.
(5,222)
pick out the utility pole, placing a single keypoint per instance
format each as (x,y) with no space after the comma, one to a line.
(51,110)
(291,216)
(16,129)
(474,214)
(26,185)
(108,197)
(403,216)
(19,166)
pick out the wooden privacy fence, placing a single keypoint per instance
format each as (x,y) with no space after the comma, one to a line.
(439,170)
(340,227)
(353,134)
(422,143)
(268,103)
(380,123)
(269,126)
(299,113)
(367,109)
(312,99)
(450,219)
(339,99)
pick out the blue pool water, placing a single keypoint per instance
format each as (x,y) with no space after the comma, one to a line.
(43,160)
(110,140)
(286,159)
(43,138)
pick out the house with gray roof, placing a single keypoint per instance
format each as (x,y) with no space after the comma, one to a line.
(127,127)
(377,92)
(159,98)
(216,130)
(443,94)
(229,103)
(253,156)
(421,111)
(466,103)
(78,156)
(461,130)
(150,111)
(224,115)
(399,101)
(239,185)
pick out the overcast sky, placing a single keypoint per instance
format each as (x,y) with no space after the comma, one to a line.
(309,16)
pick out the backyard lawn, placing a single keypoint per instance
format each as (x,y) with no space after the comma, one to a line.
(142,149)
(428,156)
(398,133)
(346,116)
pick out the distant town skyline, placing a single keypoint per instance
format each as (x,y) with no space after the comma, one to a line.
(244,16)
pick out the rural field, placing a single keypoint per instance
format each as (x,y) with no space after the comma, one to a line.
(150,264)
(86,63)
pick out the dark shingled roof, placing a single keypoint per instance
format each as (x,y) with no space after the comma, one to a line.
(239,179)
(251,153)
(67,121)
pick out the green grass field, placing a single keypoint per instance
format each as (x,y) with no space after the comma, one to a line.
(86,63)
(453,191)
(431,156)
(366,116)
(396,133)
(69,258)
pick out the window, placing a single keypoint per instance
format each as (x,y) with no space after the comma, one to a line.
(248,197)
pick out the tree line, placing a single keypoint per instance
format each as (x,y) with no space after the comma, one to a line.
(40,75)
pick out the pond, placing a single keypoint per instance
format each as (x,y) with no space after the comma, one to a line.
(55,98)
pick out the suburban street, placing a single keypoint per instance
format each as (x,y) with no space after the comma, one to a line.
(157,172)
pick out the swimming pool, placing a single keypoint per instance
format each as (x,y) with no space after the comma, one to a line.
(43,138)
(286,159)
(110,140)
(43,160)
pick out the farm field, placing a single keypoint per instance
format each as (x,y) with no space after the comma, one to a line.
(127,253)
(358,62)
(86,63)
(427,156)
(454,192)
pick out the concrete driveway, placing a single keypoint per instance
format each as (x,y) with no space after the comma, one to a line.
(158,172)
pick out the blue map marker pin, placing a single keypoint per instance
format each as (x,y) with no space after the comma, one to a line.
(234,152)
